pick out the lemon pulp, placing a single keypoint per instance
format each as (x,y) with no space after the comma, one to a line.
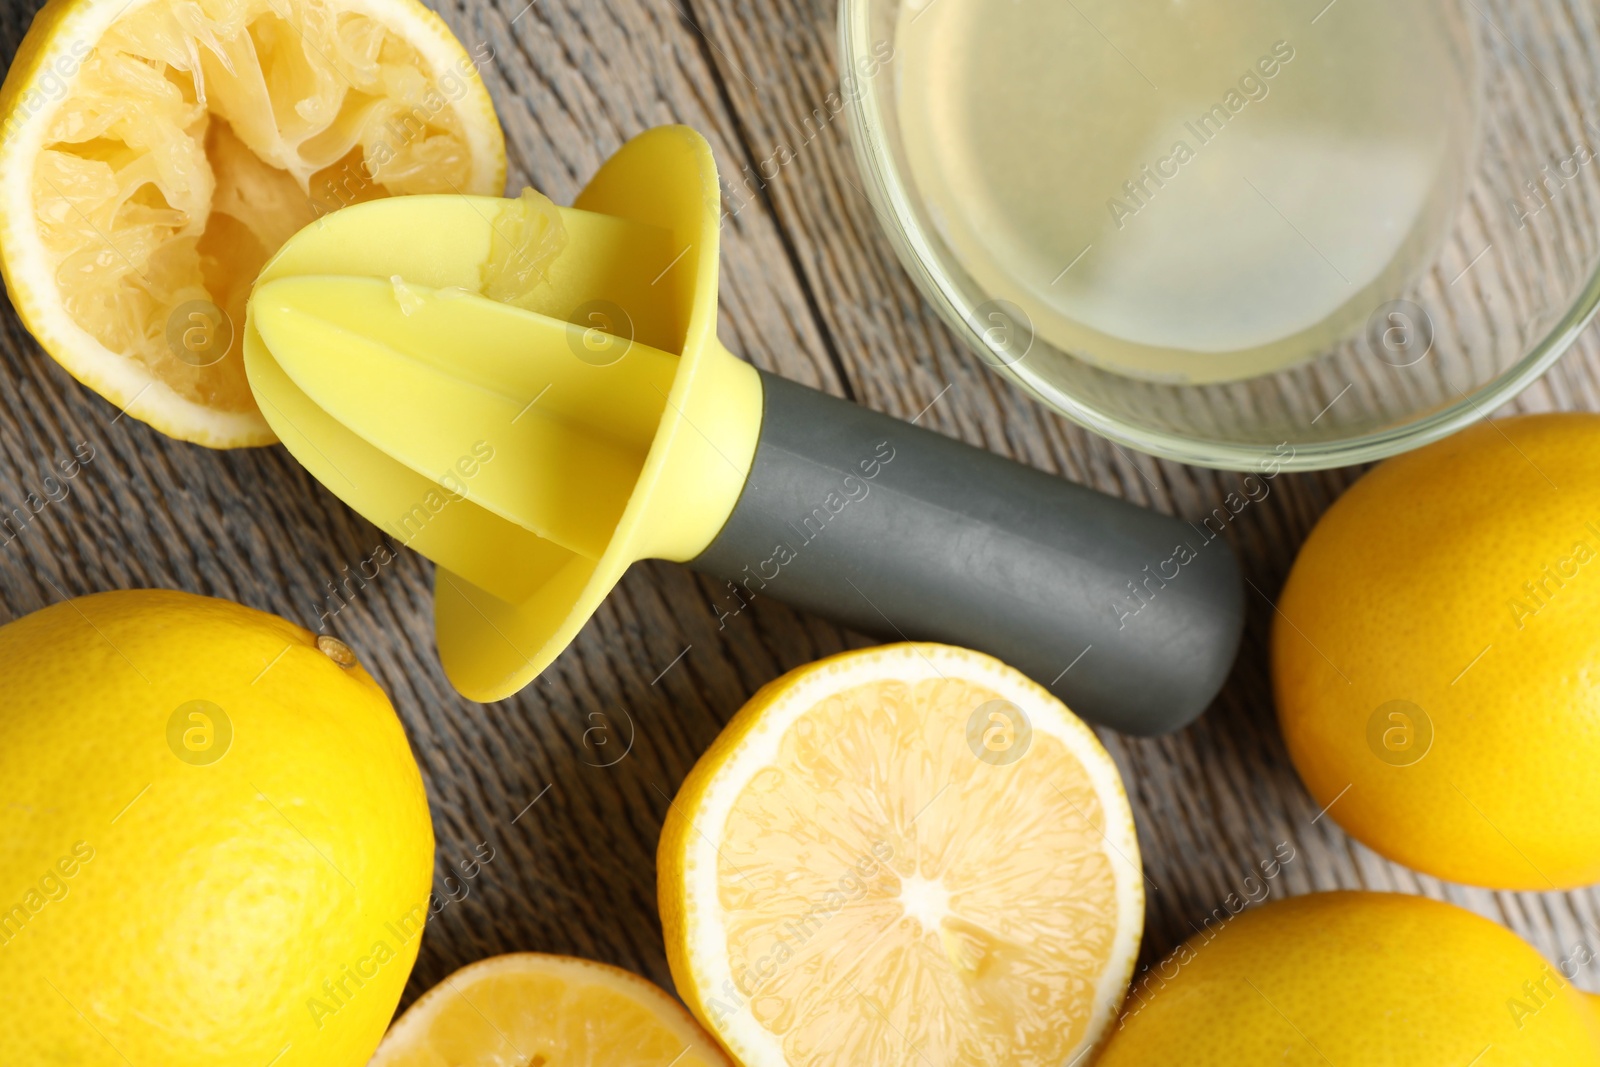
(968,919)
(527,237)
(198,136)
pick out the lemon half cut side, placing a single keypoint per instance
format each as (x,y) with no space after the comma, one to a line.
(528,1008)
(907,854)
(155,154)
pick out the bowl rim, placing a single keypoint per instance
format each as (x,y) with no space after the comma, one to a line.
(891,194)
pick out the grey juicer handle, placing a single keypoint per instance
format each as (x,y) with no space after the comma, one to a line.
(1130,617)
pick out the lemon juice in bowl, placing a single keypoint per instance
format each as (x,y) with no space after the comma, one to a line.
(1184,191)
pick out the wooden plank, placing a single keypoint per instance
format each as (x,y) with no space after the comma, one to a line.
(568,782)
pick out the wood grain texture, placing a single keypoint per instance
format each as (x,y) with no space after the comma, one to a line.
(568,782)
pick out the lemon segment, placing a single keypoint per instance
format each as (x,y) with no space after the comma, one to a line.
(156,155)
(534,1010)
(910,853)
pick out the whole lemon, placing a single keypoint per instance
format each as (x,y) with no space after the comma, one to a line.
(214,842)
(1436,656)
(1357,978)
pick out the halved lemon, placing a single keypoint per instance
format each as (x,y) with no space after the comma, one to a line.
(532,1010)
(908,854)
(155,153)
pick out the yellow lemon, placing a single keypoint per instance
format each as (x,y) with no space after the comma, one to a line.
(214,843)
(1436,656)
(906,854)
(155,153)
(531,1010)
(1357,978)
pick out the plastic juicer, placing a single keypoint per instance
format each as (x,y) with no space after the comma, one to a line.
(534,450)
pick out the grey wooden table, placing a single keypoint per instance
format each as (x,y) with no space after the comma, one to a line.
(810,288)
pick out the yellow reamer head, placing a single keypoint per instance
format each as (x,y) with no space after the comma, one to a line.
(533,452)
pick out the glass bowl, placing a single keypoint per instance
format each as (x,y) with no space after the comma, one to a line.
(1489,306)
